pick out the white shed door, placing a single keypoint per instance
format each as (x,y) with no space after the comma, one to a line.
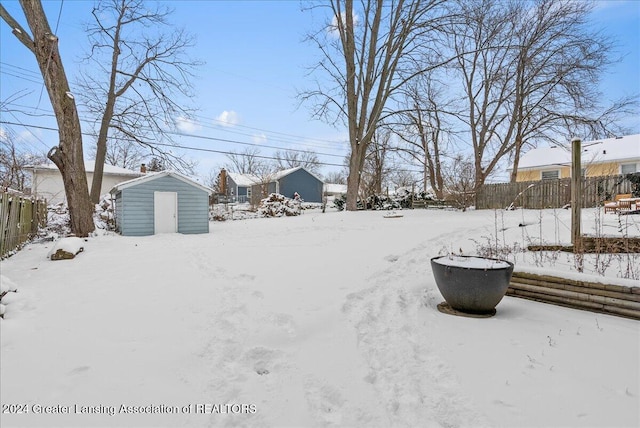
(165,208)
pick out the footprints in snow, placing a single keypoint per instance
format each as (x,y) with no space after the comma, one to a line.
(262,360)
(392,258)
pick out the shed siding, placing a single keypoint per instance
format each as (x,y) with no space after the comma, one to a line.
(308,187)
(136,216)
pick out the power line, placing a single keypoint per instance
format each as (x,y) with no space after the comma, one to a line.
(177,146)
(184,134)
(59,15)
(249,144)
(284,137)
(278,133)
(20,77)
(189,148)
(27,128)
(46,70)
(20,69)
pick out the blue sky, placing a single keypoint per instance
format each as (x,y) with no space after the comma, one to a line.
(256,60)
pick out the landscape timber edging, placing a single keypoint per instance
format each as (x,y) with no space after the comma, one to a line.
(585,295)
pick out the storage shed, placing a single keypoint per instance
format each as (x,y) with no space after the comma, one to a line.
(162,202)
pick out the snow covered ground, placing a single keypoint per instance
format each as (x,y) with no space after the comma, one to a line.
(310,321)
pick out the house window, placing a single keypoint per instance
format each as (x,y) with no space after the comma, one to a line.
(628,168)
(249,193)
(550,175)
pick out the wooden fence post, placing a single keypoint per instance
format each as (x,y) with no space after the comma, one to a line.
(576,193)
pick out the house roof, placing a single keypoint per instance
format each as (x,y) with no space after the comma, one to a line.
(618,149)
(334,188)
(247,180)
(285,172)
(89,166)
(244,180)
(155,175)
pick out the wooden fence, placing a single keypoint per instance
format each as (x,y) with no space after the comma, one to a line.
(550,193)
(591,296)
(20,218)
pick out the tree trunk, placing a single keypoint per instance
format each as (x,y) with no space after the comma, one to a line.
(103,134)
(516,161)
(101,151)
(68,155)
(356,162)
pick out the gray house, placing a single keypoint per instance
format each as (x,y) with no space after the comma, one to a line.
(297,180)
(239,186)
(248,187)
(162,202)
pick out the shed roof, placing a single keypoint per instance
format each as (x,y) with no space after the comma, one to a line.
(598,151)
(155,175)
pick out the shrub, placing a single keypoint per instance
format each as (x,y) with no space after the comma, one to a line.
(277,205)
(340,201)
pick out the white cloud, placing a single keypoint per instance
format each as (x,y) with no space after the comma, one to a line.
(228,118)
(29,135)
(187,125)
(259,138)
(333,27)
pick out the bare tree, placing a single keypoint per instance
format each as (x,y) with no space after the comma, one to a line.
(293,159)
(460,181)
(552,85)
(264,174)
(366,51)
(376,166)
(423,131)
(125,154)
(134,92)
(529,69)
(156,164)
(248,162)
(401,178)
(336,177)
(213,180)
(68,154)
(13,163)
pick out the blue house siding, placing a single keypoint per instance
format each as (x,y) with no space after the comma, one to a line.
(308,187)
(135,206)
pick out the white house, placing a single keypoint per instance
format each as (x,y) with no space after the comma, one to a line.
(46,180)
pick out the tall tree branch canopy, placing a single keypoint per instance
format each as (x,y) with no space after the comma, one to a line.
(138,79)
(516,72)
(68,154)
(368,51)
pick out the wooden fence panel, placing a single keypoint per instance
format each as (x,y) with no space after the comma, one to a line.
(20,218)
(550,193)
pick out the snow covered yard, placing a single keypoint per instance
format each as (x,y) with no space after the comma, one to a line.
(317,320)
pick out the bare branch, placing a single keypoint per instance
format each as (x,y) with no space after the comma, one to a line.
(17,30)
